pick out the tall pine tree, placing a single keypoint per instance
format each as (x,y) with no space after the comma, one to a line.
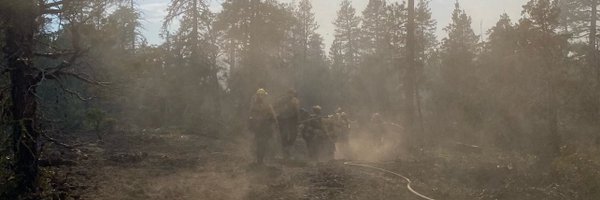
(459,86)
(545,49)
(344,50)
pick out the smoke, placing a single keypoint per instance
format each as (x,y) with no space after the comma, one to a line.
(368,145)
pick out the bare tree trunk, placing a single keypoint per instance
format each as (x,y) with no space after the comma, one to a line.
(195,39)
(593,57)
(232,55)
(410,73)
(555,138)
(215,87)
(419,77)
(592,36)
(133,36)
(25,135)
(593,60)
(419,107)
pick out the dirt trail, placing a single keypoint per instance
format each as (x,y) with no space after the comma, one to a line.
(173,165)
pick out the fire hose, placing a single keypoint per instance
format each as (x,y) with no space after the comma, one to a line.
(393,173)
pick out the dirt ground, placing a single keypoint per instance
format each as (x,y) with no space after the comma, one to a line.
(172,164)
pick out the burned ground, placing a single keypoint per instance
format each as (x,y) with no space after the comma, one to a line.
(173,164)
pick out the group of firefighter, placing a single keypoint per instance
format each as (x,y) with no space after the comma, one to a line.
(321,133)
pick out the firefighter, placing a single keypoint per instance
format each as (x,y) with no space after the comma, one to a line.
(318,141)
(343,136)
(310,128)
(288,114)
(260,122)
(377,129)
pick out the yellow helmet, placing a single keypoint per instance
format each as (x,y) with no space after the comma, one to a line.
(316,109)
(261,92)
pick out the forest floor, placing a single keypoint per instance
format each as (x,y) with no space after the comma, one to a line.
(173,164)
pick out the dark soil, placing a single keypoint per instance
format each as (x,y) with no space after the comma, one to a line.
(172,164)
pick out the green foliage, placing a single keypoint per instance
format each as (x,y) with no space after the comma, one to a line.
(257,34)
(122,27)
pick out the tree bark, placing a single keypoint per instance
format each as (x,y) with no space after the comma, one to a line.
(23,81)
(410,72)
(593,58)
(553,120)
(133,36)
(592,36)
(195,39)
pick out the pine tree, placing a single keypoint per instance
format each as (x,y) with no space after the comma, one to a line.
(193,31)
(409,78)
(24,46)
(396,19)
(337,57)
(545,51)
(425,30)
(373,29)
(459,80)
(502,37)
(195,43)
(316,55)
(500,72)
(257,35)
(125,22)
(375,53)
(346,40)
(459,48)
(314,87)
(425,45)
(302,32)
(306,26)
(499,52)
(580,19)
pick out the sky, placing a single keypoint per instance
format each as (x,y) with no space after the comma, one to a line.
(484,14)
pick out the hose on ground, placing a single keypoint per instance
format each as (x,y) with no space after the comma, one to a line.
(393,173)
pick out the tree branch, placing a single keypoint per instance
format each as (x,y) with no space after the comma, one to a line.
(54,55)
(52,11)
(81,77)
(54,4)
(76,94)
(55,141)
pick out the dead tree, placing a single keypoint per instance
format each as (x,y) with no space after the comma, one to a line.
(409,77)
(23,22)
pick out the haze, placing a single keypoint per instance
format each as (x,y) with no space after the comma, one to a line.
(485,13)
